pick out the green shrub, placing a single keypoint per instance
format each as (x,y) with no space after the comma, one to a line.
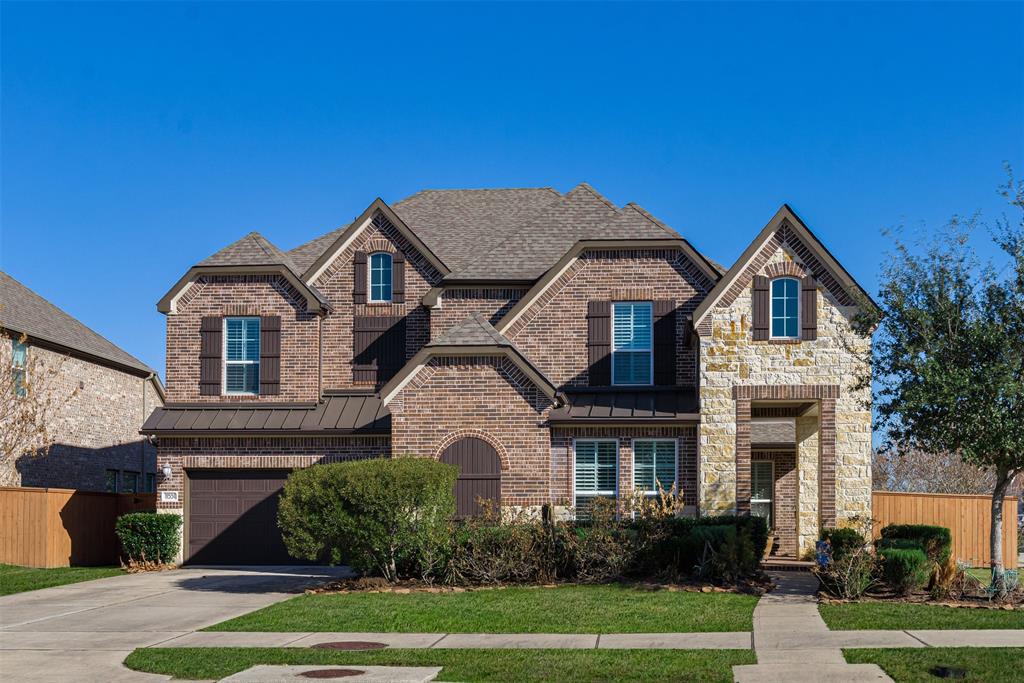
(721,548)
(898,544)
(905,569)
(935,541)
(149,537)
(843,541)
(389,516)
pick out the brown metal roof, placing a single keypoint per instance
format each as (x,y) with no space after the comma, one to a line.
(336,414)
(640,405)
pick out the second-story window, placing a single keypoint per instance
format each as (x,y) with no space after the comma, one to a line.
(785,299)
(632,350)
(19,363)
(241,356)
(380,277)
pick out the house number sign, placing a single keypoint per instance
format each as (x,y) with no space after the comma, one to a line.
(168,496)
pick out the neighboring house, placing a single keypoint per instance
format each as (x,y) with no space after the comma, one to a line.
(98,394)
(556,347)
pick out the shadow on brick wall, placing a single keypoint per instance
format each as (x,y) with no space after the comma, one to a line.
(85,469)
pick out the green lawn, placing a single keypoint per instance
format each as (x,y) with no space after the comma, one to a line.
(20,579)
(916,664)
(467,666)
(894,615)
(566,609)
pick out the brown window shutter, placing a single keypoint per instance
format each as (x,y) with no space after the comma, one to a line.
(665,342)
(599,342)
(760,307)
(359,277)
(398,278)
(211,330)
(270,355)
(378,350)
(809,309)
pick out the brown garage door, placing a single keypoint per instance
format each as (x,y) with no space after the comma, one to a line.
(479,474)
(232,517)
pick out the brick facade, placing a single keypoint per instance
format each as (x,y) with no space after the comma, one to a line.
(552,332)
(485,397)
(97,412)
(224,295)
(459,303)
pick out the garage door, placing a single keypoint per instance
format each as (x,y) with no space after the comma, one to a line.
(232,517)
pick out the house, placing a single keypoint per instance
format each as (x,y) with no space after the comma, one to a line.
(556,347)
(95,397)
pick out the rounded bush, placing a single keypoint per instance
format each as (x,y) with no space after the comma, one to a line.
(149,537)
(935,541)
(905,569)
(843,541)
(387,516)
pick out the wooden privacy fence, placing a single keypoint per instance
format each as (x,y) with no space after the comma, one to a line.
(63,527)
(968,518)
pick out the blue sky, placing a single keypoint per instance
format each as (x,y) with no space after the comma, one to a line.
(139,138)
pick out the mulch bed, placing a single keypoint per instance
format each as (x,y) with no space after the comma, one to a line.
(373,584)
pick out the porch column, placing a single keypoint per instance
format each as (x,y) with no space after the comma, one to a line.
(827,449)
(743,456)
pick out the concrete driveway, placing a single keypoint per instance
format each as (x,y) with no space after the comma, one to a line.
(83,631)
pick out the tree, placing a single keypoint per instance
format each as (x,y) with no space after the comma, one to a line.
(949,362)
(928,472)
(30,395)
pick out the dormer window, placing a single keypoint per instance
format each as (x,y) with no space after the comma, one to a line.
(784,312)
(380,277)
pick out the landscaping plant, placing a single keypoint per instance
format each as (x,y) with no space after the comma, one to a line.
(905,569)
(947,364)
(388,515)
(843,541)
(935,541)
(149,539)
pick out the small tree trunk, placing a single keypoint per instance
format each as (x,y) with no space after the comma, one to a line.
(996,534)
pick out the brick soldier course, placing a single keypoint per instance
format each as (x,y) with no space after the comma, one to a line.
(499,327)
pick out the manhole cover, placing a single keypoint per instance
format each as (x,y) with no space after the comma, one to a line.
(949,672)
(331,673)
(350,645)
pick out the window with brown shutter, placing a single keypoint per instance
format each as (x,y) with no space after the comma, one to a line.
(599,342)
(665,342)
(359,277)
(398,278)
(378,348)
(210,350)
(270,355)
(809,309)
(760,307)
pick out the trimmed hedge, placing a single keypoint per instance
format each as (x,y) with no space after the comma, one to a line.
(843,541)
(935,541)
(149,536)
(390,516)
(905,569)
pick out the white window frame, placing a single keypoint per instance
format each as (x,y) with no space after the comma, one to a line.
(596,494)
(771,308)
(369,277)
(225,362)
(650,349)
(675,457)
(770,501)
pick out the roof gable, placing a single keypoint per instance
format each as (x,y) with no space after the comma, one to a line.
(346,236)
(785,229)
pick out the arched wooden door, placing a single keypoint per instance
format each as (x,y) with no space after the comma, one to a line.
(479,474)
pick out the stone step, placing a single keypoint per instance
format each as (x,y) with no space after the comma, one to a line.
(809,672)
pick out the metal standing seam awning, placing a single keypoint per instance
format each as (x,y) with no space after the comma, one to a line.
(641,406)
(334,415)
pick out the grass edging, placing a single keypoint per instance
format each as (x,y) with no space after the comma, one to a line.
(859,616)
(467,666)
(563,609)
(15,579)
(916,664)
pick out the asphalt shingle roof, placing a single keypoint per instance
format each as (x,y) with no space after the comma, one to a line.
(25,312)
(474,331)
